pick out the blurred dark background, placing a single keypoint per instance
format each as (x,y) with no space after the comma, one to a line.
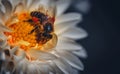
(102,24)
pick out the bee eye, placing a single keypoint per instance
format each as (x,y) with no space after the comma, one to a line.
(48,27)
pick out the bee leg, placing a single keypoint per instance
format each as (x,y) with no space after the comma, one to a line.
(35,29)
(29,20)
(31,31)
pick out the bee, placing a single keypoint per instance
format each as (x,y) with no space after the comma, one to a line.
(43,27)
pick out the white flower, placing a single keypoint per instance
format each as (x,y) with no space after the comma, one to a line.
(28,46)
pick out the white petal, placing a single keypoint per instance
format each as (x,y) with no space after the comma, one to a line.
(29,3)
(34,5)
(18,8)
(60,28)
(67,44)
(21,56)
(2,36)
(41,55)
(74,33)
(68,17)
(56,69)
(63,66)
(83,6)
(71,59)
(3,44)
(25,2)
(45,68)
(4,28)
(13,50)
(2,56)
(75,71)
(62,5)
(15,2)
(2,14)
(80,53)
(45,2)
(21,66)
(32,69)
(7,5)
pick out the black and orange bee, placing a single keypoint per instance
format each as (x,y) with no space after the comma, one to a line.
(39,19)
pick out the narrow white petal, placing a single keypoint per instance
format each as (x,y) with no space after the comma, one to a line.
(15,2)
(60,28)
(32,69)
(71,59)
(75,71)
(67,44)
(62,5)
(45,68)
(7,5)
(74,33)
(34,5)
(56,69)
(80,53)
(25,3)
(21,66)
(29,3)
(68,17)
(18,8)
(2,56)
(45,2)
(21,55)
(4,28)
(3,44)
(63,66)
(13,50)
(41,55)
(2,14)
(2,36)
(83,6)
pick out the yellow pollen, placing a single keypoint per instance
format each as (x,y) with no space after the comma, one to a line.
(20,34)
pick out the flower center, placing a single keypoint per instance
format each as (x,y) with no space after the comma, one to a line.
(29,30)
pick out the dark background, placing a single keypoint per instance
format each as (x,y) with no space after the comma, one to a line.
(102,24)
